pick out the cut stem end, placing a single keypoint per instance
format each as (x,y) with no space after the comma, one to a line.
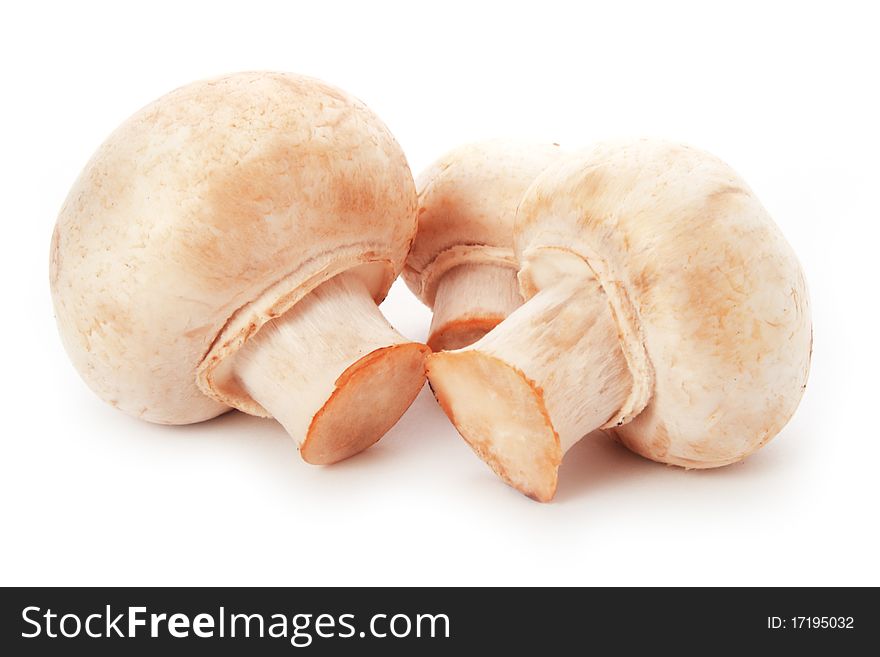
(332,371)
(471,300)
(545,377)
(501,415)
(369,399)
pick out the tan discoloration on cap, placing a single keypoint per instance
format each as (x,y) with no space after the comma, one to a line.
(206,214)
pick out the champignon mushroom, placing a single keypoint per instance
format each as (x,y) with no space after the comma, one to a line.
(462,261)
(663,305)
(226,247)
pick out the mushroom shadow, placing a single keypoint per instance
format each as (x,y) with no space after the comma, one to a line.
(598,461)
(266,440)
(260,436)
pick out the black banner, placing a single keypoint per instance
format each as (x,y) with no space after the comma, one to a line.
(335,621)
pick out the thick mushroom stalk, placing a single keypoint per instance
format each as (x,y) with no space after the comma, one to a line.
(665,307)
(545,377)
(471,300)
(332,371)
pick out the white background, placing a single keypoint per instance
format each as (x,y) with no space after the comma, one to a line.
(786,93)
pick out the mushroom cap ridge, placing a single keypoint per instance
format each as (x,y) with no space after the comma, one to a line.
(209,212)
(710,300)
(467,205)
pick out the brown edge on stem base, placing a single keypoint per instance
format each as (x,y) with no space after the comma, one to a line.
(459,333)
(528,422)
(370,397)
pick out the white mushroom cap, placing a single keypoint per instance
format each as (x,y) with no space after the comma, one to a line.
(210,212)
(467,205)
(702,294)
(711,301)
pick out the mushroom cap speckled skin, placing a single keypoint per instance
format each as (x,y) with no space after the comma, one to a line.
(467,204)
(710,301)
(209,212)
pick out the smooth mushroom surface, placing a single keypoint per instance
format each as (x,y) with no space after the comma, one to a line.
(462,263)
(663,306)
(226,248)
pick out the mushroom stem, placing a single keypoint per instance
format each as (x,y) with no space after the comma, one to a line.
(471,300)
(332,370)
(545,377)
